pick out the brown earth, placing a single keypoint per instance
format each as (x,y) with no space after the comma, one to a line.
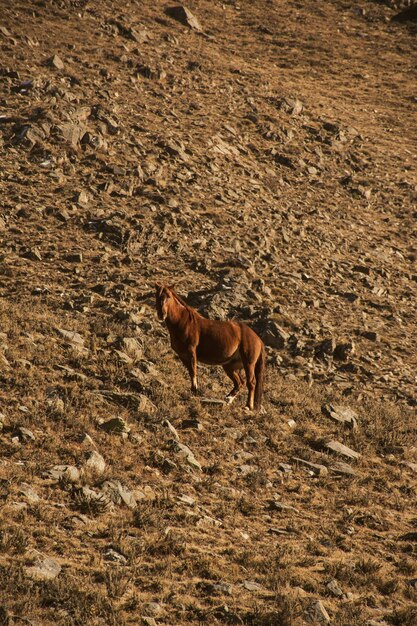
(263,161)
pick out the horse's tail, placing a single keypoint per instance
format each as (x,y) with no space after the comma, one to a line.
(259,376)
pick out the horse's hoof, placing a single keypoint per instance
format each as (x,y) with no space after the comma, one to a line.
(248,409)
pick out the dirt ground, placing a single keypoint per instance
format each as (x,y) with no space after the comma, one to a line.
(260,156)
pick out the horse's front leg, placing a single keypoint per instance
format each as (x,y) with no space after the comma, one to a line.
(190,362)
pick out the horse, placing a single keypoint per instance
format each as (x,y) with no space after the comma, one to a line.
(231,344)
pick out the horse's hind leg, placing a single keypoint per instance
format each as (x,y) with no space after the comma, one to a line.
(251,384)
(234,374)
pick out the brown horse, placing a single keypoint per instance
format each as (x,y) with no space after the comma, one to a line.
(233,345)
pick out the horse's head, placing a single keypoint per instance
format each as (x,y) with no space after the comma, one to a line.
(164,299)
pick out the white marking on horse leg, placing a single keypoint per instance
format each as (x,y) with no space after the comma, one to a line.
(230,399)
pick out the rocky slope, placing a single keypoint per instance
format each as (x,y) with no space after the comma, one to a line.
(261,157)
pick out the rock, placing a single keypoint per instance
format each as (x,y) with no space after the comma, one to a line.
(82,198)
(342,414)
(67,473)
(115,425)
(153,608)
(319,470)
(275,505)
(56,62)
(291,105)
(335,590)
(24,434)
(95,462)
(43,568)
(185,452)
(212,401)
(114,557)
(145,405)
(274,336)
(325,348)
(342,469)
(343,351)
(184,15)
(92,502)
(317,613)
(252,586)
(340,448)
(172,429)
(132,347)
(29,493)
(371,335)
(71,337)
(149,621)
(119,494)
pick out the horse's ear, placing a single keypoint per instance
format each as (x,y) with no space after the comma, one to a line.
(158,286)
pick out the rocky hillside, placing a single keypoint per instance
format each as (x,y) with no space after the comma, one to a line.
(260,156)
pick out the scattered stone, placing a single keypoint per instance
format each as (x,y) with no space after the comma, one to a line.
(212,401)
(56,62)
(291,105)
(335,590)
(82,198)
(119,494)
(371,335)
(317,613)
(191,424)
(71,337)
(23,434)
(252,586)
(132,347)
(275,505)
(115,425)
(343,351)
(274,336)
(153,608)
(319,470)
(66,473)
(342,414)
(43,568)
(184,15)
(95,462)
(340,448)
(185,452)
(29,493)
(342,469)
(172,429)
(114,557)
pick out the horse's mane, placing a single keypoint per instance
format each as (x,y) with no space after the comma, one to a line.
(191,310)
(180,300)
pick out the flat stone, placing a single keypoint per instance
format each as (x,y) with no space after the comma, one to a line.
(71,336)
(319,470)
(43,568)
(340,448)
(342,414)
(115,425)
(341,468)
(316,612)
(95,462)
(56,62)
(68,473)
(29,493)
(184,15)
(118,493)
